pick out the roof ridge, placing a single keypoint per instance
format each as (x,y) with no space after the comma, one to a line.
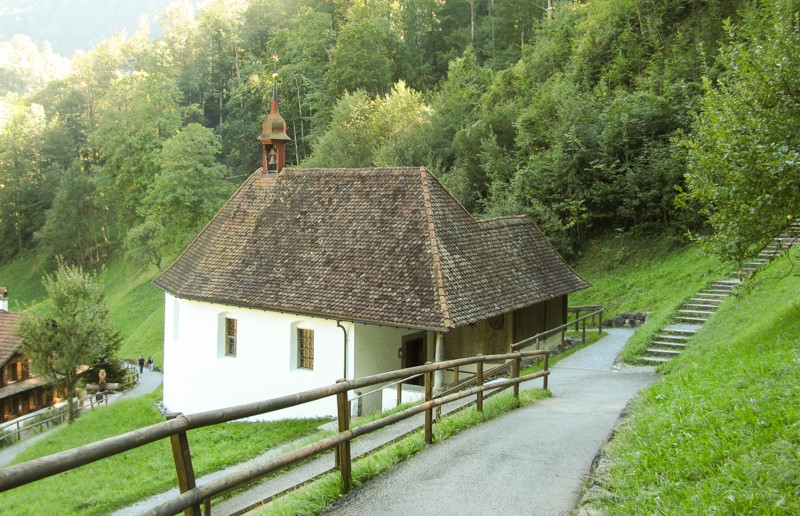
(438,277)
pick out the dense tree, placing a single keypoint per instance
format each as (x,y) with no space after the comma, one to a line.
(26,68)
(384,131)
(361,60)
(569,114)
(184,195)
(73,330)
(26,185)
(745,148)
(139,113)
(74,226)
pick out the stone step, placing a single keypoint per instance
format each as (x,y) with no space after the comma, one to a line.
(722,291)
(683,329)
(697,312)
(712,295)
(654,360)
(663,352)
(724,286)
(679,345)
(707,300)
(700,306)
(678,338)
(683,318)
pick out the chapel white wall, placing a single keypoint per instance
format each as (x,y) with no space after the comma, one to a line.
(197,378)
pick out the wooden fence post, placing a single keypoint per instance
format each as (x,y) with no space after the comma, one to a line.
(182,457)
(600,324)
(429,411)
(343,449)
(584,331)
(479,383)
(545,377)
(399,394)
(515,373)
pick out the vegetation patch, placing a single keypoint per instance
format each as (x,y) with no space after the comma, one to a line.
(635,274)
(127,478)
(720,432)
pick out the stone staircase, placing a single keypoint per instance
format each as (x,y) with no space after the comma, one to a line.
(673,338)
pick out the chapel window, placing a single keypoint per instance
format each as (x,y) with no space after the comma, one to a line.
(305,348)
(230,337)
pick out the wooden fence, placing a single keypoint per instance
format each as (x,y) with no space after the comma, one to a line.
(580,321)
(176,427)
(34,423)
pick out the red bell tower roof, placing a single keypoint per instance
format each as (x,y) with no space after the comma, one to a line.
(273,136)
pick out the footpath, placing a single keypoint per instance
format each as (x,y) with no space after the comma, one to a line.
(148,382)
(531,461)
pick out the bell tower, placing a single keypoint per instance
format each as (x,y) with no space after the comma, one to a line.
(273,137)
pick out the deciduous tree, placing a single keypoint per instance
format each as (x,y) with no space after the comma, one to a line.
(73,329)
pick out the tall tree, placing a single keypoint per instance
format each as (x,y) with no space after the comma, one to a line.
(139,113)
(360,60)
(189,189)
(25,188)
(745,149)
(74,225)
(73,330)
(384,131)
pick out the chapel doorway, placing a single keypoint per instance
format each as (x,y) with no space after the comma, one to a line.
(415,353)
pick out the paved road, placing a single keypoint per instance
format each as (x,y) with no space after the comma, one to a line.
(533,461)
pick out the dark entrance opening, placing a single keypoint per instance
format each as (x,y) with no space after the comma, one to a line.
(415,354)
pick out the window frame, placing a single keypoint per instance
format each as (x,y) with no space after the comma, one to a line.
(231,336)
(305,348)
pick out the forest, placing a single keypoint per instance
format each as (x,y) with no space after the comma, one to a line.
(672,118)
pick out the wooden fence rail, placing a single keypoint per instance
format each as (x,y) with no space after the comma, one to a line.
(539,337)
(177,426)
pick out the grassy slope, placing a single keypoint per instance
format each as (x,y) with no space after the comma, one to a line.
(137,306)
(103,486)
(720,433)
(22,276)
(643,275)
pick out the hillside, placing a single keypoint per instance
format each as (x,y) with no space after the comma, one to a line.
(137,306)
(719,433)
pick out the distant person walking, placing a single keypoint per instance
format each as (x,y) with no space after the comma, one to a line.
(150,363)
(141,364)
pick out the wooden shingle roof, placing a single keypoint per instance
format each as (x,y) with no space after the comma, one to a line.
(383,245)
(9,341)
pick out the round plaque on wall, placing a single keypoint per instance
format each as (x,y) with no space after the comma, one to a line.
(496,322)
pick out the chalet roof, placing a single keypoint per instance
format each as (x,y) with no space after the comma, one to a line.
(9,341)
(384,245)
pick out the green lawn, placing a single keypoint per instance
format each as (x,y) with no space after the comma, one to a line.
(721,432)
(124,479)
